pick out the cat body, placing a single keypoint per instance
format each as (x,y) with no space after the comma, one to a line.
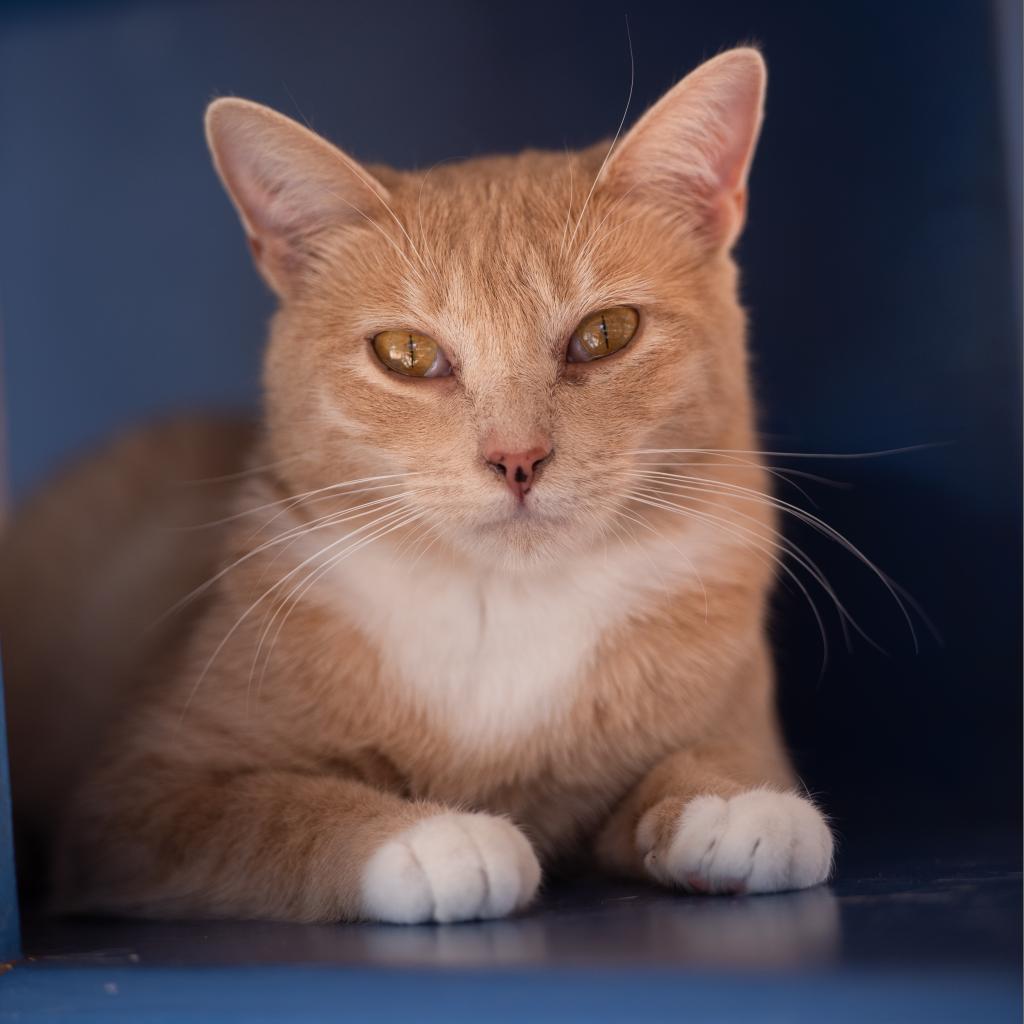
(446,630)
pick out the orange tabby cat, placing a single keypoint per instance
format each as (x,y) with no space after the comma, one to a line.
(488,589)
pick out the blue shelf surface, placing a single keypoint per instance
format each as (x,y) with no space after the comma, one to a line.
(922,930)
(331,994)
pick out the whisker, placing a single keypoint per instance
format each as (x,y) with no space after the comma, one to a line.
(781,473)
(776,474)
(572,196)
(591,240)
(640,521)
(330,519)
(287,535)
(433,535)
(291,501)
(791,548)
(294,597)
(741,493)
(240,475)
(239,621)
(618,132)
(773,537)
(785,455)
(743,535)
(299,498)
(373,223)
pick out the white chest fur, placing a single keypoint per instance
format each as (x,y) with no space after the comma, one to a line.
(492,655)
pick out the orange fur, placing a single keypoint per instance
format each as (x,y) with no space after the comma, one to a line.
(268,748)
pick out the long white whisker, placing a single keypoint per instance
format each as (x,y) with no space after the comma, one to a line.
(306,497)
(780,472)
(743,535)
(283,543)
(741,493)
(591,240)
(296,531)
(618,132)
(295,595)
(789,546)
(252,607)
(432,536)
(568,209)
(240,475)
(782,455)
(387,206)
(373,223)
(773,537)
(640,521)
(776,474)
(299,498)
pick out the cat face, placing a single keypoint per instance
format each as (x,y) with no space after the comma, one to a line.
(510,332)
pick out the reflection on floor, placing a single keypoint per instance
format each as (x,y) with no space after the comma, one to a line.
(923,920)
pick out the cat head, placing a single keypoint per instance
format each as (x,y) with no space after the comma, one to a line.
(494,342)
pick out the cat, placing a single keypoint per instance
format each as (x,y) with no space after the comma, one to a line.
(484,591)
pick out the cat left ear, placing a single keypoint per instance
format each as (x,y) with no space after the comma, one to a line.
(691,152)
(287,184)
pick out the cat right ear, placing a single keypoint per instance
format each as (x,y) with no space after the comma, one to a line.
(286,182)
(690,154)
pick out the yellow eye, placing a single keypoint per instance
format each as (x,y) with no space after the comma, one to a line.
(411,354)
(603,333)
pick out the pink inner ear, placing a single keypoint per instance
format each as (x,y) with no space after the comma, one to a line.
(286,183)
(693,148)
(740,111)
(284,179)
(278,199)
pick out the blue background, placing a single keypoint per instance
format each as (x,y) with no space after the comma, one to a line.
(881,274)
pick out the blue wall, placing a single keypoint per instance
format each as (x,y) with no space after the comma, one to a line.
(878,275)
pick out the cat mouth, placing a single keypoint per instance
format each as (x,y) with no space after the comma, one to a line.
(522,515)
(517,519)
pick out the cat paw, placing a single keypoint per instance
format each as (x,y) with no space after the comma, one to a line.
(758,841)
(451,867)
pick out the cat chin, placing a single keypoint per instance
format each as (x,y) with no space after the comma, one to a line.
(520,546)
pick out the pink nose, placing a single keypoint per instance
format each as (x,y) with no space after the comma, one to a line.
(518,468)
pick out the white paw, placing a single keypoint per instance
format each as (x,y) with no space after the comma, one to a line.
(758,841)
(451,867)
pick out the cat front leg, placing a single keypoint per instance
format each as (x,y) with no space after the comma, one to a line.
(286,846)
(690,826)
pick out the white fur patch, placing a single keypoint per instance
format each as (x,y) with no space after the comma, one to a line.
(451,867)
(758,841)
(492,655)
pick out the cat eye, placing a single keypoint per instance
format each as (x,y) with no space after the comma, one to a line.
(411,354)
(602,333)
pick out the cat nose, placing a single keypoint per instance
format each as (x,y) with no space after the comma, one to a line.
(518,468)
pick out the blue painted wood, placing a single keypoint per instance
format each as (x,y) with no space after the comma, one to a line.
(914,904)
(920,928)
(10,945)
(254,994)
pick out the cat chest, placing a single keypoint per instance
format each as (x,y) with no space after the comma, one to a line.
(492,659)
(486,659)
(485,663)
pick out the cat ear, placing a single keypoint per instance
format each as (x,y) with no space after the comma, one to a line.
(286,182)
(692,150)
